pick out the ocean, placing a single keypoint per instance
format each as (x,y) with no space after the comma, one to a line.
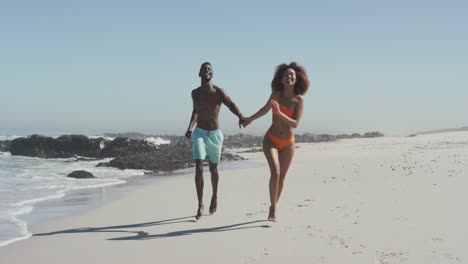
(35,190)
(29,186)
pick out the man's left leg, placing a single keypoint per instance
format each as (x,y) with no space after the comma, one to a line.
(214,184)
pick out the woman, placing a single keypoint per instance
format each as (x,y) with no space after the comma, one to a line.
(289,84)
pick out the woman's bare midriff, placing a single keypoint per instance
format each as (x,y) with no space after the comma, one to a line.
(281,129)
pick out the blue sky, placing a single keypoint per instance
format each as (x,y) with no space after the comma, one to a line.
(113,66)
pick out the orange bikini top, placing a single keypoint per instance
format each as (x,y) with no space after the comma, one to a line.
(284,109)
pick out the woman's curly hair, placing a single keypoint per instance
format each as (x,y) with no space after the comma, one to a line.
(302,80)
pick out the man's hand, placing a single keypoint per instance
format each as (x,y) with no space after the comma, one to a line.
(244,122)
(188,134)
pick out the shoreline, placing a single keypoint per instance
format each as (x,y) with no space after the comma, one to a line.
(79,201)
(386,200)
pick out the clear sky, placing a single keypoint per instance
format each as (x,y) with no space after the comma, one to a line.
(113,66)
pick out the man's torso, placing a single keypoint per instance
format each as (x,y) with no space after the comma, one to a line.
(207,104)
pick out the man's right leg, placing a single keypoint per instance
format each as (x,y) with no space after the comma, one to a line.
(214,184)
(199,186)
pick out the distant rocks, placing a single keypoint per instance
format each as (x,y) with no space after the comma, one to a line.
(139,153)
(81,174)
(62,147)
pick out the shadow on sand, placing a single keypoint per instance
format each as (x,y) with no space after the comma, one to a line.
(141,235)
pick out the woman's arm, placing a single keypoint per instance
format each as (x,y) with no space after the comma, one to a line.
(262,111)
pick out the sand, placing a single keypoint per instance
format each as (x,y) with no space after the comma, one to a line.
(381,200)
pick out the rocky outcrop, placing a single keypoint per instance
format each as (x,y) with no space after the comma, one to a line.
(121,146)
(163,158)
(133,153)
(81,174)
(372,134)
(62,147)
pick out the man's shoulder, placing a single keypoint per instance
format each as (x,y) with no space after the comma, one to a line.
(219,90)
(195,91)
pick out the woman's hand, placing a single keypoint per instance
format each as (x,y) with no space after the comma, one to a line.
(245,121)
(274,107)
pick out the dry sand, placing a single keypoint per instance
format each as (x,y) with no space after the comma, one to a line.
(383,200)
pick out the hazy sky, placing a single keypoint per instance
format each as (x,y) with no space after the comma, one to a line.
(113,66)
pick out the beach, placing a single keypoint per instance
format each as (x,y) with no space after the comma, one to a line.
(372,200)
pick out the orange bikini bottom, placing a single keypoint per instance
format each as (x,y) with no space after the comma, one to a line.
(279,143)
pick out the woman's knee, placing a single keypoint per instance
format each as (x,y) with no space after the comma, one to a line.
(275,174)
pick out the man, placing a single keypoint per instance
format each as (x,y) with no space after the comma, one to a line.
(207,139)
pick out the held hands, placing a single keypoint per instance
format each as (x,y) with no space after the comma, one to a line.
(244,122)
(188,134)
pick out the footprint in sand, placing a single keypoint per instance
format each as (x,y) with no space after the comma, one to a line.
(308,203)
(338,242)
(390,257)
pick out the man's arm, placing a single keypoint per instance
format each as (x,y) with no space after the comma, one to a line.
(232,107)
(193,119)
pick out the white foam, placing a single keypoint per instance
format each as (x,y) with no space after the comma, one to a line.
(60,194)
(98,185)
(157,141)
(27,181)
(104,137)
(22,225)
(6,242)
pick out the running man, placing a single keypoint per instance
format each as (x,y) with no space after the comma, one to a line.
(207,139)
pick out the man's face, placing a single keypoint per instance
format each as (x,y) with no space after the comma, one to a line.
(206,72)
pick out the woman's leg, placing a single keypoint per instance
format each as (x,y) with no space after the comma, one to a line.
(271,154)
(285,157)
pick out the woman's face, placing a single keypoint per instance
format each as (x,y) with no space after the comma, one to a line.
(289,77)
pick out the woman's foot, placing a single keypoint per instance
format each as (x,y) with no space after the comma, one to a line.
(199,212)
(272,215)
(213,205)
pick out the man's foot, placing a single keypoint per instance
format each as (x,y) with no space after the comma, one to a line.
(199,212)
(272,215)
(213,205)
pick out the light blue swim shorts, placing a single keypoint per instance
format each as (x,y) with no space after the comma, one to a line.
(207,144)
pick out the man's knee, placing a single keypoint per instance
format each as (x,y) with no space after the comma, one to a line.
(213,168)
(199,167)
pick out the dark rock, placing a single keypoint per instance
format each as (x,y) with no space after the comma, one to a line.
(372,134)
(63,147)
(102,164)
(81,174)
(5,145)
(167,157)
(121,146)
